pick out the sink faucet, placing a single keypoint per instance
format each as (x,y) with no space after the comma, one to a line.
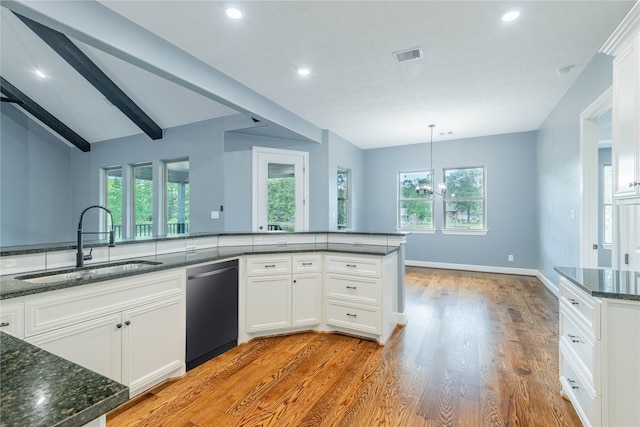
(80,256)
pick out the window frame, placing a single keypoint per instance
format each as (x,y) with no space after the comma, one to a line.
(165,201)
(346,199)
(105,200)
(133,193)
(607,244)
(448,199)
(401,200)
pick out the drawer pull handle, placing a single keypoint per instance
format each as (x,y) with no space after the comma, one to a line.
(352,287)
(573,338)
(351,265)
(4,324)
(573,384)
(572,301)
(119,325)
(270,266)
(307,263)
(352,315)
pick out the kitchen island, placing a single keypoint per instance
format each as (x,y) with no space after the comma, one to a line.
(599,344)
(38,388)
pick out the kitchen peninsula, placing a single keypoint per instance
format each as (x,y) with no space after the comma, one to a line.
(352,283)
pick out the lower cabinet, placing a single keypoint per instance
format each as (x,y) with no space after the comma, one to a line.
(283,293)
(11,318)
(138,342)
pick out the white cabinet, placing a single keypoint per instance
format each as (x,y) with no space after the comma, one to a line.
(11,318)
(284,292)
(131,330)
(359,294)
(599,347)
(624,45)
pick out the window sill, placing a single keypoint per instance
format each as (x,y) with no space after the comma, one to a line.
(466,232)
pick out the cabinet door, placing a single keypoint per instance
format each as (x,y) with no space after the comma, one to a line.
(153,342)
(95,344)
(268,303)
(626,126)
(11,319)
(306,299)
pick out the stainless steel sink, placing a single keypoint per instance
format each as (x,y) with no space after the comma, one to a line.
(88,272)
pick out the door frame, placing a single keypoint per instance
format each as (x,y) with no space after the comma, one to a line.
(256,152)
(589,178)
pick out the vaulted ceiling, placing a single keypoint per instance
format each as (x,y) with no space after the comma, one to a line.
(479,75)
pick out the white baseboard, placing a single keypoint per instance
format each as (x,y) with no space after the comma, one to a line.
(400,318)
(487,269)
(471,267)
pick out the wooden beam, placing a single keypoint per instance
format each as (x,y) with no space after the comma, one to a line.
(94,75)
(43,115)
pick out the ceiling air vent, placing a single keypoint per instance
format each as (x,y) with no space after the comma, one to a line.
(408,55)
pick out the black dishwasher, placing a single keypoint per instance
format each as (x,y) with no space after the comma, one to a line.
(212,311)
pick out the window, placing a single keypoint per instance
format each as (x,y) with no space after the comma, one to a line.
(113,198)
(464,204)
(176,179)
(607,238)
(415,212)
(343,199)
(143,200)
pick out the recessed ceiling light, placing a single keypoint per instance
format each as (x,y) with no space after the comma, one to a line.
(511,16)
(40,74)
(303,71)
(234,13)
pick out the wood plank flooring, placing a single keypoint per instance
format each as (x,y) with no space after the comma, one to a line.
(479,350)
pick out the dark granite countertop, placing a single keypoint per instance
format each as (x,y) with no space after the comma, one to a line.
(38,388)
(36,248)
(10,287)
(604,282)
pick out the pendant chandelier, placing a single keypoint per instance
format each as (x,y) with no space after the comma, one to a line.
(427,190)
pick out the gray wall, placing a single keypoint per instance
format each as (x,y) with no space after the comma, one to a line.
(202,143)
(345,155)
(35,177)
(558,170)
(511,198)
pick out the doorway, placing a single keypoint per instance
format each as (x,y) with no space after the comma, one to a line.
(280,190)
(593,130)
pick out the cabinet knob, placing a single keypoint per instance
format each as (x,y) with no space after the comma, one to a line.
(295,281)
(119,325)
(4,324)
(128,322)
(573,338)
(572,383)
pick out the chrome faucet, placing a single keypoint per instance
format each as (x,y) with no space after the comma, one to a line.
(80,256)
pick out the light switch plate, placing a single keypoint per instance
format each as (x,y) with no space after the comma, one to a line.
(215,214)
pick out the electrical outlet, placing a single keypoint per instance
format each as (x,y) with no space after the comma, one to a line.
(510,258)
(215,214)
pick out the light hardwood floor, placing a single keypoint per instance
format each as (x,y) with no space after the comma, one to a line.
(479,350)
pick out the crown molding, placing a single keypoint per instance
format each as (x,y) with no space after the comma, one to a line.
(628,28)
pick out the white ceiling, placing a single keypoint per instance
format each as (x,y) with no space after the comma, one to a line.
(479,76)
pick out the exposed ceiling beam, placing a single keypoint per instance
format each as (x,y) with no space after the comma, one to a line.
(43,115)
(94,75)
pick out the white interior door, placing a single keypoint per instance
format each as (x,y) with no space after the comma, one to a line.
(280,189)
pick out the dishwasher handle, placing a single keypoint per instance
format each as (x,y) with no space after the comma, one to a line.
(211,273)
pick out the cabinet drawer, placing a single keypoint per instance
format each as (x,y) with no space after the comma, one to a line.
(585,401)
(68,306)
(581,344)
(348,265)
(365,319)
(271,265)
(11,319)
(585,308)
(307,264)
(354,289)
